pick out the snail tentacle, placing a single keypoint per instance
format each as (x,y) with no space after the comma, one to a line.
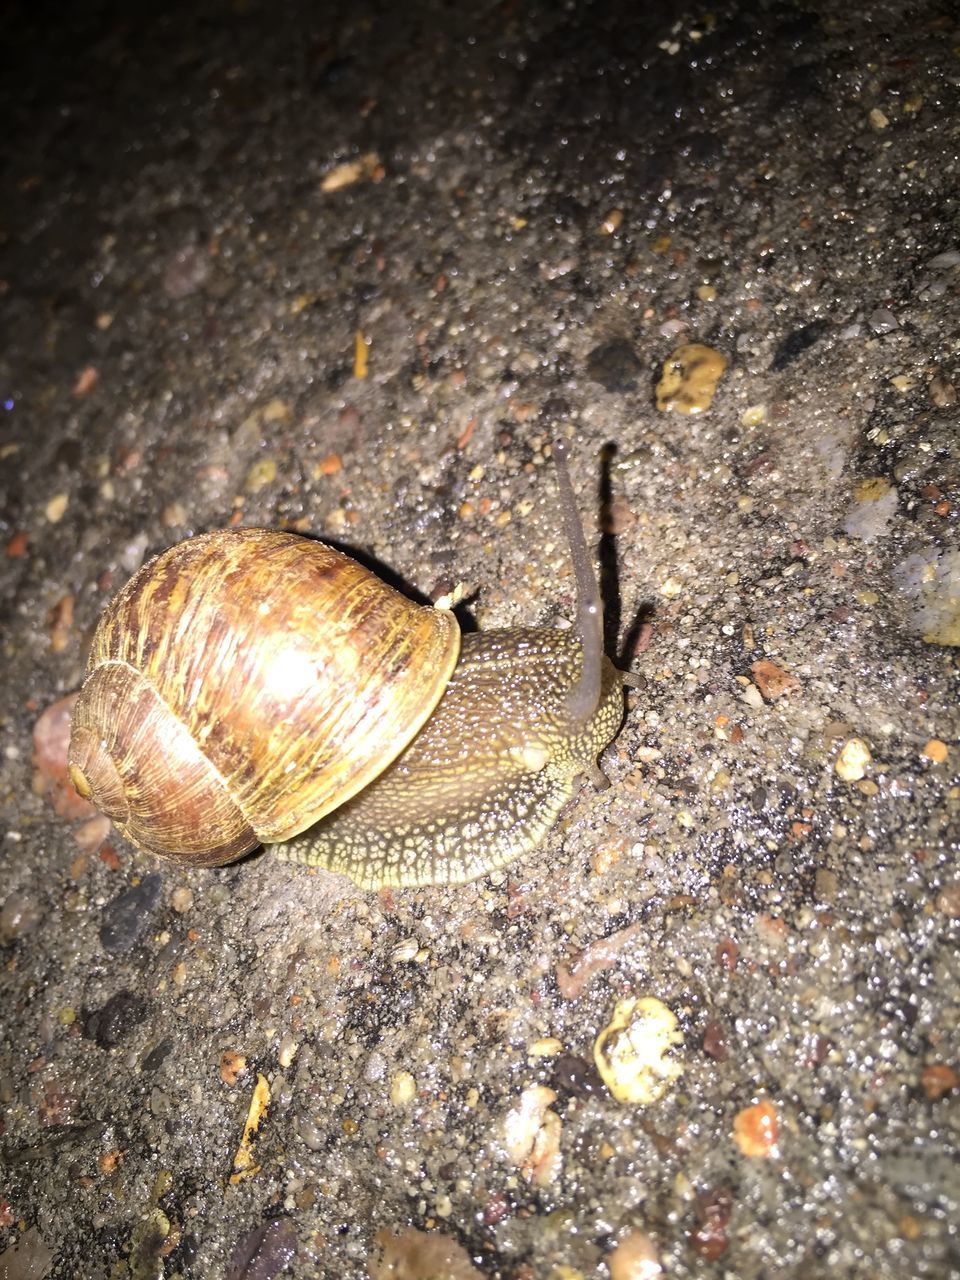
(584,695)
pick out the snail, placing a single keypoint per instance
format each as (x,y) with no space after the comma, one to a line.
(249,686)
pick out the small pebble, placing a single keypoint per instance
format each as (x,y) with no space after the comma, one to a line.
(576,1075)
(634,1052)
(181,899)
(366,167)
(328,465)
(634,1258)
(944,261)
(689,379)
(532,1136)
(754,416)
(17,546)
(262,474)
(853,759)
(404,951)
(56,507)
(752,697)
(825,885)
(86,381)
(287,1051)
(410,1254)
(19,916)
(232,1066)
(875,505)
(938,1080)
(710,1238)
(403,1089)
(715,1043)
(883,321)
(265,1252)
(173,516)
(756,1131)
(186,270)
(614,365)
(112,1024)
(773,681)
(612,222)
(127,916)
(28,1258)
(942,393)
(51,736)
(91,834)
(673,328)
(548,1047)
(276,411)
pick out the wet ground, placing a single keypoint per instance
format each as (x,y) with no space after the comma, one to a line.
(348,269)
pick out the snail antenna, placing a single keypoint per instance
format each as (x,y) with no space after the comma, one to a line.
(584,697)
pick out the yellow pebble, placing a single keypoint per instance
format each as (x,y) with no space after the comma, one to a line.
(403,1089)
(853,760)
(689,379)
(55,508)
(634,1053)
(547,1047)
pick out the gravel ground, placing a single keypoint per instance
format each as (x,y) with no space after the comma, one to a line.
(522,211)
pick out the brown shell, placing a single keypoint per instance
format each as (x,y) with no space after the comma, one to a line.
(245,683)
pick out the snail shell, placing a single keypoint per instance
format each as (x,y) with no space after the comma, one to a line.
(243,684)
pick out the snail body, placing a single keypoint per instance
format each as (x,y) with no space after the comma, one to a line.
(249,686)
(485,778)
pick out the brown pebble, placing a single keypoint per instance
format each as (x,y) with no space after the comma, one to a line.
(51,736)
(756,1130)
(232,1066)
(496,1209)
(612,222)
(608,853)
(91,834)
(825,885)
(773,681)
(86,381)
(938,1080)
(108,856)
(715,1041)
(173,516)
(942,393)
(727,954)
(329,465)
(110,1162)
(709,1238)
(576,1075)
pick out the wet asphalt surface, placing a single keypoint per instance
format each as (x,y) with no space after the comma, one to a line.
(522,211)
